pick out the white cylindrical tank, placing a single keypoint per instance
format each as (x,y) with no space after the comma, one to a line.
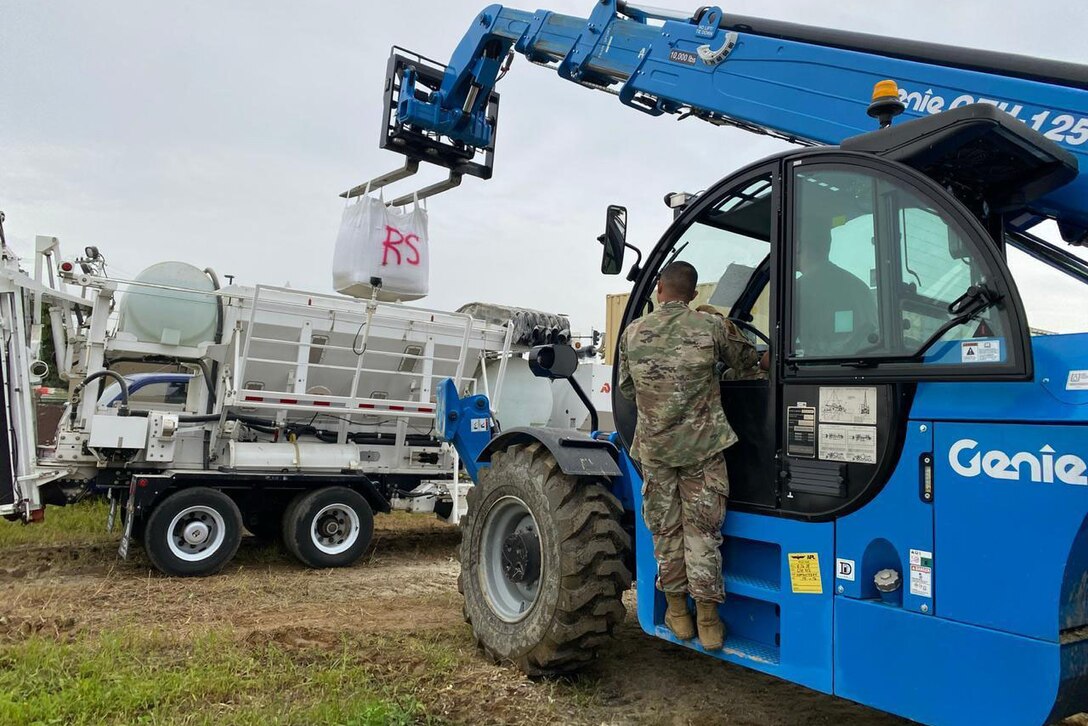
(525,400)
(284,456)
(170,317)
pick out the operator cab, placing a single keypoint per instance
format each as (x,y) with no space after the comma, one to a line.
(863,276)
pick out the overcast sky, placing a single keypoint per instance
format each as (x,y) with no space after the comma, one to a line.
(220,133)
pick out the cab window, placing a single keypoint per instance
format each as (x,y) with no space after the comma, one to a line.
(727,244)
(881,272)
(172,393)
(154,395)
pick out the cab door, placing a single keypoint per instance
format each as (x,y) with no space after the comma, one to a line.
(729,235)
(886,281)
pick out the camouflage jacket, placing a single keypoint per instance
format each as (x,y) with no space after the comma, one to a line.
(668,366)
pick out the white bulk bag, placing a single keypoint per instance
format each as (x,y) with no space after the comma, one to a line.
(379,241)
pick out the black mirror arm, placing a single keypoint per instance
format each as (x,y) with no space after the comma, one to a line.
(594,420)
(636,268)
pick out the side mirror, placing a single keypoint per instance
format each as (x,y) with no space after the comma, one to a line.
(558,362)
(614,239)
(553,361)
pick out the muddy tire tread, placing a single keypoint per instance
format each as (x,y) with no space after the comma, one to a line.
(593,574)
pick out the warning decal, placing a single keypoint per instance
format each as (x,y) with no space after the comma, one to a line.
(805,572)
(921,573)
(980,351)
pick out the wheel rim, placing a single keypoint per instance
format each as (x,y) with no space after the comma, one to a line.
(335,529)
(510,562)
(196,533)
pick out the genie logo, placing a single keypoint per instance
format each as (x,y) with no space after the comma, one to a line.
(1043,468)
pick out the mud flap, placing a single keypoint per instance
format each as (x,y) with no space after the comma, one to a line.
(130,517)
(7,462)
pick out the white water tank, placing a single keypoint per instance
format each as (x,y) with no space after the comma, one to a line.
(170,316)
(525,400)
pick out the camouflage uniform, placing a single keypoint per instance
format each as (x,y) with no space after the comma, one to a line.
(668,366)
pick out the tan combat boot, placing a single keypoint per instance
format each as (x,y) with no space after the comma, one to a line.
(711,628)
(678,617)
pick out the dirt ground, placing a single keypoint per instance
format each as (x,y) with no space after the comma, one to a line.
(405,589)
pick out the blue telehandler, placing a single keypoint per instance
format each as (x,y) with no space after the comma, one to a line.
(908,521)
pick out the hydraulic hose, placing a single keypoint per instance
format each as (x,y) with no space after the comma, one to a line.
(123,410)
(210,417)
(200,362)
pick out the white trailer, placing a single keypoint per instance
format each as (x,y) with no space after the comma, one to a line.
(305,413)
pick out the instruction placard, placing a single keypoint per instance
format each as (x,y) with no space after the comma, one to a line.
(848,405)
(801,431)
(921,573)
(805,573)
(852,444)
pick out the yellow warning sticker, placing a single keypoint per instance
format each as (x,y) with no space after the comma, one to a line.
(805,572)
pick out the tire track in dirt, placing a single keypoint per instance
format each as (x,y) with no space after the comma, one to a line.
(406,581)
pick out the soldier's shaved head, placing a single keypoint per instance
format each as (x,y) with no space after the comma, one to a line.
(677,282)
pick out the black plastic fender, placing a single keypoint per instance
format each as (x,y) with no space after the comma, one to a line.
(576,453)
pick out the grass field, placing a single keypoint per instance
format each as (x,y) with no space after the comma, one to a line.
(147,673)
(78,524)
(136,676)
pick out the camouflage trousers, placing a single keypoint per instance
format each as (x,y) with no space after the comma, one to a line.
(684,509)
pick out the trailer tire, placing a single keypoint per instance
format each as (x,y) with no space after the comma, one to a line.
(555,624)
(328,527)
(194,532)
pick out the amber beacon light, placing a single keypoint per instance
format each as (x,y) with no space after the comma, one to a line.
(885,104)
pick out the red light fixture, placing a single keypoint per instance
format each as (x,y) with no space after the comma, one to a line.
(67,267)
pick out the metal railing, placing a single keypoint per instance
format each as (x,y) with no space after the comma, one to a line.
(377,323)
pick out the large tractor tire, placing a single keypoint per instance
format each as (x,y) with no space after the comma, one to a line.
(542,563)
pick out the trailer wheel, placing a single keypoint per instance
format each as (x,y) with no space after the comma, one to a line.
(193,533)
(330,527)
(543,563)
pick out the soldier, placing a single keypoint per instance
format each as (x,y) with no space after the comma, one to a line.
(836,310)
(669,366)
